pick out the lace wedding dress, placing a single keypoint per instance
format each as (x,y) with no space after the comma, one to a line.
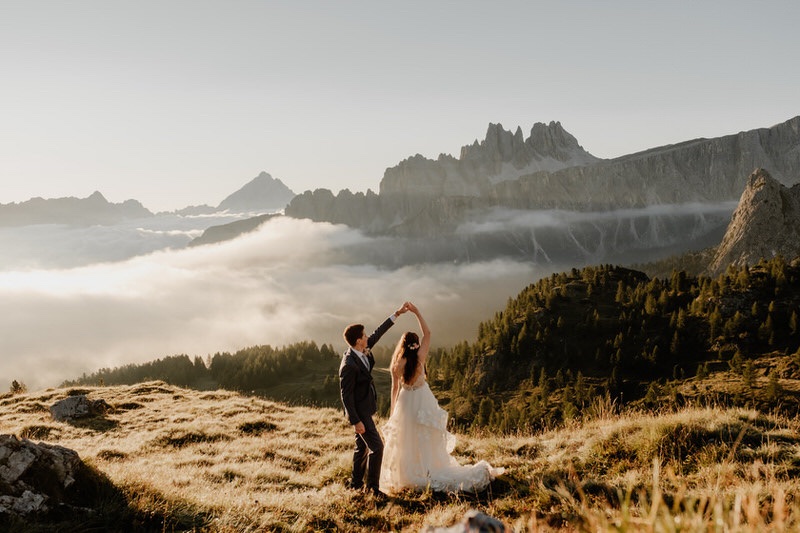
(418,447)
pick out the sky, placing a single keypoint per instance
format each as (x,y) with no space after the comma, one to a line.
(178,103)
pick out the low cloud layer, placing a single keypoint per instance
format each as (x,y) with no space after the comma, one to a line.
(64,246)
(291,280)
(579,238)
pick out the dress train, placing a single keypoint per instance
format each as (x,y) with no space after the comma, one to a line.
(418,448)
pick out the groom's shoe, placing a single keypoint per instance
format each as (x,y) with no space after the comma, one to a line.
(377,494)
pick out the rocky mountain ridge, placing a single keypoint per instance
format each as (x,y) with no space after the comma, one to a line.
(93,209)
(501,156)
(262,194)
(700,170)
(765,224)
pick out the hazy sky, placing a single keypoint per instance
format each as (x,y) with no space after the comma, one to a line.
(182,102)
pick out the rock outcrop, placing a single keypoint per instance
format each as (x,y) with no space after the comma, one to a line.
(473,522)
(500,157)
(40,478)
(78,406)
(262,193)
(766,223)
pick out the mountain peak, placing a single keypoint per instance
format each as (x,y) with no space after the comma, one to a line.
(766,223)
(549,147)
(262,193)
(97,197)
(501,156)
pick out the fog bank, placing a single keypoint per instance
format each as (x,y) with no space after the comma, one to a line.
(291,280)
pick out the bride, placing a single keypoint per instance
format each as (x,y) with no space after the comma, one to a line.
(418,448)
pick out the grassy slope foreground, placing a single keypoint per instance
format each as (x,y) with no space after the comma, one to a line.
(220,461)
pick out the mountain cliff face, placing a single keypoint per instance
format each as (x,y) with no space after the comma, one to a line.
(263,193)
(501,156)
(702,170)
(92,210)
(765,224)
(550,170)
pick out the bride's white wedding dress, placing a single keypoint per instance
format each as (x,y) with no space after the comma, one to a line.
(418,446)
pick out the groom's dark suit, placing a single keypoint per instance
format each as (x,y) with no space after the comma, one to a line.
(360,403)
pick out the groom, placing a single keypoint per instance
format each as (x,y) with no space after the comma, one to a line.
(360,401)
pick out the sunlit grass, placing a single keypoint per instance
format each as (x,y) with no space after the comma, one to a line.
(220,461)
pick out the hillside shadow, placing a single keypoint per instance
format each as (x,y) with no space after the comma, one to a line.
(96,424)
(92,503)
(416,502)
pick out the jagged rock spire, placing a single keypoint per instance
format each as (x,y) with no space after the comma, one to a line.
(766,223)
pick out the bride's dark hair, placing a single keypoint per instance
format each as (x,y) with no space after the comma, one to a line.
(410,350)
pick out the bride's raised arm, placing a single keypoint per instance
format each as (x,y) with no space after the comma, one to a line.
(425,339)
(396,373)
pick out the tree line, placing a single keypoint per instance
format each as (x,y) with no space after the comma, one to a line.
(300,372)
(611,335)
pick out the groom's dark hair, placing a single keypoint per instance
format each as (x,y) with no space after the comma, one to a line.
(352,333)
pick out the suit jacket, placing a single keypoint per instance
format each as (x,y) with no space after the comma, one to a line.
(359,398)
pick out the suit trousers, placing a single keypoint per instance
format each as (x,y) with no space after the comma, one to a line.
(367,457)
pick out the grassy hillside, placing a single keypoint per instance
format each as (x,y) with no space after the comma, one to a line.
(220,461)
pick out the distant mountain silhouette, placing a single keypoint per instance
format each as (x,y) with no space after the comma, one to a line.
(93,210)
(263,193)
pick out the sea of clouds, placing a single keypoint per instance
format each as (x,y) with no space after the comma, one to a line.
(291,280)
(74,300)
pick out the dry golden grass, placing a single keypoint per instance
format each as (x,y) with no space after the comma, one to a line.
(220,461)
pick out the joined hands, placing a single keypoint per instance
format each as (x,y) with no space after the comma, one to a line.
(407,306)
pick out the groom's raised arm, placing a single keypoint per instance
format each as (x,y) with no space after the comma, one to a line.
(376,335)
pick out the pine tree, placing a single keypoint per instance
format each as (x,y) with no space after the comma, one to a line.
(766,329)
(620,296)
(560,379)
(714,323)
(581,393)
(749,374)
(651,398)
(17,387)
(675,344)
(774,389)
(485,411)
(736,362)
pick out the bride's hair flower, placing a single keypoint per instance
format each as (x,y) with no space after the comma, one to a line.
(412,346)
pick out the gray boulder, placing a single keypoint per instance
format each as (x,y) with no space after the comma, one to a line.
(473,522)
(35,476)
(75,407)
